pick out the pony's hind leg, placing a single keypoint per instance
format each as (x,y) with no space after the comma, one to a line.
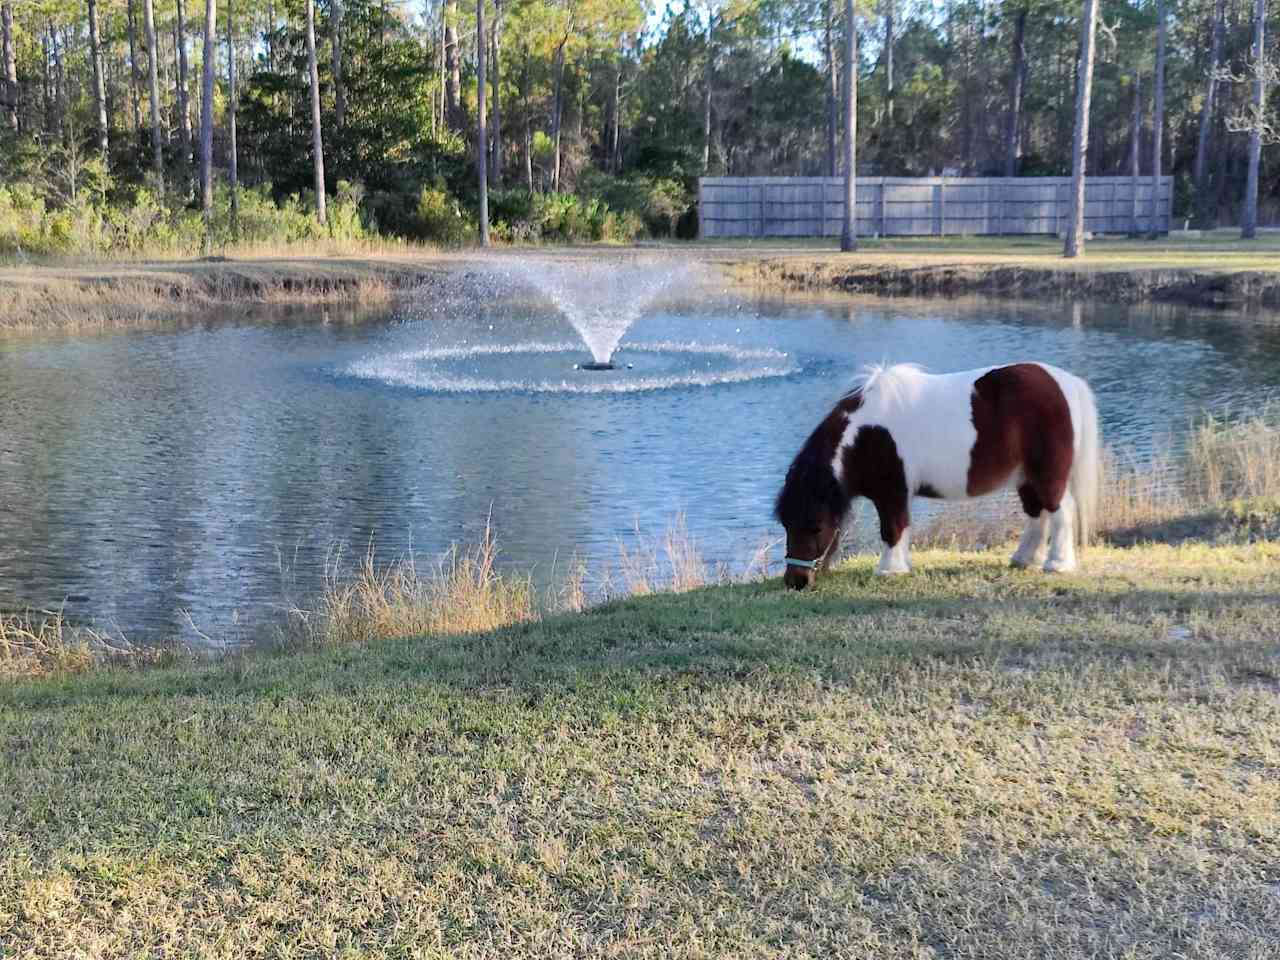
(1062,537)
(1033,547)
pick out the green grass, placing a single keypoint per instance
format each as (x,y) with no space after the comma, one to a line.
(1215,251)
(967,762)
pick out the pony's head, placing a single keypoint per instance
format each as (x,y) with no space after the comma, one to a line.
(813,502)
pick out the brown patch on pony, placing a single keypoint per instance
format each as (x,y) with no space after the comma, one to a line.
(1023,420)
(874,469)
(811,482)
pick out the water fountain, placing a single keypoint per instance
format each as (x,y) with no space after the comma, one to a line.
(600,297)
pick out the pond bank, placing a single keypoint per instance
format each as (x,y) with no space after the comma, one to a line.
(1117,283)
(110,296)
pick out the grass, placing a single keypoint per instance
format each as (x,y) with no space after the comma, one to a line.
(968,762)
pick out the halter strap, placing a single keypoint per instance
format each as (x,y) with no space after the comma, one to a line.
(806,564)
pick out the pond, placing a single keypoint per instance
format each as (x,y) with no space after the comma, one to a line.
(184,482)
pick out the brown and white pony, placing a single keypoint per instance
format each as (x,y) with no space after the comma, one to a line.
(901,432)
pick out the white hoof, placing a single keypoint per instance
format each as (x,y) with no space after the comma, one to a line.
(1060,566)
(892,571)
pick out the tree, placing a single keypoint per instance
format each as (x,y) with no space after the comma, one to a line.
(1157,123)
(1258,125)
(453,73)
(233,177)
(206,113)
(1080,141)
(135,75)
(317,143)
(482,142)
(99,84)
(10,62)
(495,171)
(1017,81)
(849,234)
(339,92)
(833,88)
(1135,150)
(888,61)
(153,80)
(184,106)
(1206,113)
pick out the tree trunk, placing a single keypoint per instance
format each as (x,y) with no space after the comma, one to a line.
(99,81)
(1157,123)
(495,172)
(271,32)
(1074,245)
(184,106)
(706,96)
(1135,151)
(153,81)
(453,69)
(1249,222)
(317,143)
(833,89)
(233,174)
(482,137)
(888,62)
(206,113)
(849,235)
(10,61)
(557,115)
(135,75)
(1017,81)
(59,84)
(1206,116)
(528,155)
(339,92)
(47,84)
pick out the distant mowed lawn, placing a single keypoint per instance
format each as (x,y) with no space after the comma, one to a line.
(967,762)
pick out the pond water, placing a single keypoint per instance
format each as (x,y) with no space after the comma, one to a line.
(159,482)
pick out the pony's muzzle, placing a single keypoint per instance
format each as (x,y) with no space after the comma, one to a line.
(798,578)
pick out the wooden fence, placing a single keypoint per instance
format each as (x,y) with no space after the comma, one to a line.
(923,206)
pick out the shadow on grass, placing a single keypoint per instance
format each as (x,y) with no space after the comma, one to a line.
(963,612)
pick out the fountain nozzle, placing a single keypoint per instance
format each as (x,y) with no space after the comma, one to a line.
(596,365)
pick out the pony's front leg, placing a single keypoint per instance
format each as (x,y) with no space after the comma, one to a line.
(1033,548)
(895,531)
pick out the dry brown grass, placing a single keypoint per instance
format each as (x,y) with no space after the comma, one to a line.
(463,592)
(42,643)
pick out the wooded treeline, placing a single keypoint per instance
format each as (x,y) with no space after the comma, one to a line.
(600,115)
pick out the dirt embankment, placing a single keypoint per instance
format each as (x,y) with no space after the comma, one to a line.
(1196,287)
(110,296)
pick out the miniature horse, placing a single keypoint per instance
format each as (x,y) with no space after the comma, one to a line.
(901,432)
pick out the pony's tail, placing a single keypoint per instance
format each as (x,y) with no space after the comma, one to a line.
(1086,471)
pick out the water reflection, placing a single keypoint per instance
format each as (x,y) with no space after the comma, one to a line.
(209,469)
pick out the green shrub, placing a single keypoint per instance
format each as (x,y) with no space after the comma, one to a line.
(441,217)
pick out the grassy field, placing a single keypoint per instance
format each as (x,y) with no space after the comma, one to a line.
(969,762)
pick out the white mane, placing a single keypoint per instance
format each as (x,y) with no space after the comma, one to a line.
(887,382)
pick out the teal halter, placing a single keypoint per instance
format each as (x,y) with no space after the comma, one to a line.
(806,564)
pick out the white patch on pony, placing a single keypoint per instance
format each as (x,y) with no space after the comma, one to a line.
(896,559)
(929,417)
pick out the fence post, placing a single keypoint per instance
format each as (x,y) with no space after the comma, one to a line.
(937,209)
(702,211)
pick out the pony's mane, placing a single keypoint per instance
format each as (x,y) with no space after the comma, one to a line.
(878,380)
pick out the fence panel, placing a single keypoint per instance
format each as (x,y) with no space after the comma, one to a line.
(925,206)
